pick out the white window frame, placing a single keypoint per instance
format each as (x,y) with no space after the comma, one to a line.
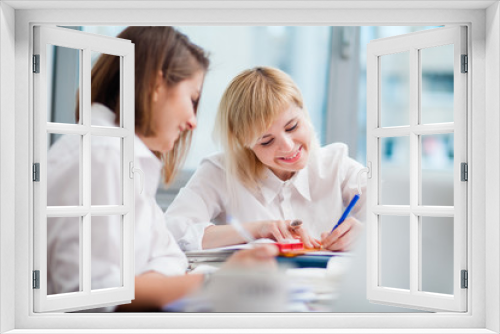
(85,43)
(16,21)
(413,43)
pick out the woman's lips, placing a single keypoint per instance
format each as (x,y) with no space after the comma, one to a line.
(293,158)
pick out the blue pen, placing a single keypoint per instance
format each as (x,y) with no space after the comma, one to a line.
(347,211)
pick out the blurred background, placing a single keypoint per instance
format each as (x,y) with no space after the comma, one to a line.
(329,66)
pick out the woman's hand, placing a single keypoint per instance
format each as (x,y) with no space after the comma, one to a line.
(280,230)
(262,256)
(344,236)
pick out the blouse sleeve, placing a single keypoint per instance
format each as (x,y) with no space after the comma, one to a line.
(166,257)
(196,205)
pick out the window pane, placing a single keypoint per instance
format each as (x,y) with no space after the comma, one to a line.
(437,84)
(63,79)
(112,97)
(106,172)
(395,171)
(64,65)
(395,89)
(437,169)
(394,241)
(63,171)
(437,254)
(106,251)
(63,255)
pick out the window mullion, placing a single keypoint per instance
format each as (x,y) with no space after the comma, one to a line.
(460,155)
(128,124)
(39,148)
(373,192)
(85,95)
(414,171)
(373,118)
(81,241)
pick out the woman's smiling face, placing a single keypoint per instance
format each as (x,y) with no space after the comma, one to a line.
(284,147)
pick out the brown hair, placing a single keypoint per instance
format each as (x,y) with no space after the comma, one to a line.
(156,49)
(249,106)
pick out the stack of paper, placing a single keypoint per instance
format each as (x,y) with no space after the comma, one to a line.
(215,254)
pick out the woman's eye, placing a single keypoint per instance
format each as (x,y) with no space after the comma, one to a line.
(293,127)
(267,142)
(195,103)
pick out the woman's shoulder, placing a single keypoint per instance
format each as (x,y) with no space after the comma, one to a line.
(210,171)
(329,158)
(332,151)
(214,160)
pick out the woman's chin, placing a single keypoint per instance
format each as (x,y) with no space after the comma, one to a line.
(170,146)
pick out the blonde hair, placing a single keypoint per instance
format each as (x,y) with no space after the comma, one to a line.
(249,106)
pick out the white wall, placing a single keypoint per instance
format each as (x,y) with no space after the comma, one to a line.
(7,188)
(492,163)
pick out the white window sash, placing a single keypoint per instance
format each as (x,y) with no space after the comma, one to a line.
(414,298)
(86,43)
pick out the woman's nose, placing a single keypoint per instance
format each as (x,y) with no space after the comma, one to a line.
(287,144)
(192,123)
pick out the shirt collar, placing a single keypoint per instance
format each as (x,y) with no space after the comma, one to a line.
(272,185)
(142,151)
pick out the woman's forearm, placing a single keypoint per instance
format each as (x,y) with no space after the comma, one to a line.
(225,235)
(154,290)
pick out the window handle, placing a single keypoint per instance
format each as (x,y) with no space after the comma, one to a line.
(133,170)
(361,171)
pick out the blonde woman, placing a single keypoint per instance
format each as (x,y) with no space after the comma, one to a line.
(272,172)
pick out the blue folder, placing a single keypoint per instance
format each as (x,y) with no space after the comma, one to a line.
(305,261)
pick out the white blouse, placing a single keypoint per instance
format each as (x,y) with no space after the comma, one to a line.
(155,247)
(317,194)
